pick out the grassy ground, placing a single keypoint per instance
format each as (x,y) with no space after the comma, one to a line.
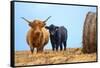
(71,55)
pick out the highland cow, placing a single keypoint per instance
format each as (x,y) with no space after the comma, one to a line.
(38,35)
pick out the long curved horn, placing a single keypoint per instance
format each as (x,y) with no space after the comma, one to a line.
(47,19)
(26,20)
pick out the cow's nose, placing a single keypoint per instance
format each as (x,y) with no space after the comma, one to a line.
(38,33)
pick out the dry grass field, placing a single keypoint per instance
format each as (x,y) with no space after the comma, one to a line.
(71,55)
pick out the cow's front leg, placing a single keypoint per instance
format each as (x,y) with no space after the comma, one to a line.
(53,46)
(40,49)
(32,50)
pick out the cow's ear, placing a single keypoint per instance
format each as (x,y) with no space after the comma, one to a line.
(57,28)
(46,27)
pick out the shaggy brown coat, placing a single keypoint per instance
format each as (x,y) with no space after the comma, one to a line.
(38,42)
(38,35)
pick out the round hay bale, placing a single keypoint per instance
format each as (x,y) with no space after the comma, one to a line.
(89,33)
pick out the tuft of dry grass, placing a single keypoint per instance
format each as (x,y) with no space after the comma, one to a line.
(71,55)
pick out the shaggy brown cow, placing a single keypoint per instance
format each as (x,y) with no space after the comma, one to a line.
(38,35)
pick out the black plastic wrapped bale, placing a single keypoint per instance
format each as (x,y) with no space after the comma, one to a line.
(89,33)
